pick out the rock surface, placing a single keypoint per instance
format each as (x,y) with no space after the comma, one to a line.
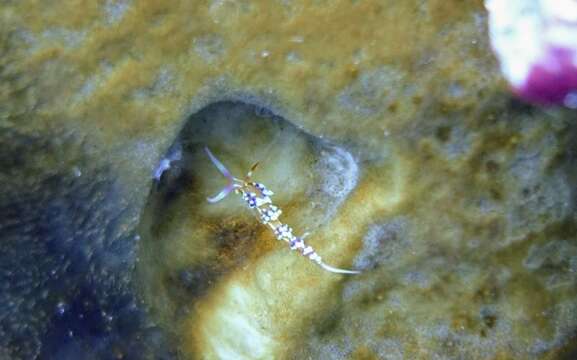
(384,130)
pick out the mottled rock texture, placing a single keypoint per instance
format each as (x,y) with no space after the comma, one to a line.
(384,130)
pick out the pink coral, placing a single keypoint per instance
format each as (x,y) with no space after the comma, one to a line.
(536,43)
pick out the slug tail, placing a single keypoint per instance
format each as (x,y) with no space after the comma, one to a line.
(337,270)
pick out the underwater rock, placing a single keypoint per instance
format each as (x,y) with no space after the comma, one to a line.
(383,244)
(229,239)
(558,262)
(373,92)
(383,128)
(68,248)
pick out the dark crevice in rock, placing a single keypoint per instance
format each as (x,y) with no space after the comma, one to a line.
(310,177)
(67,251)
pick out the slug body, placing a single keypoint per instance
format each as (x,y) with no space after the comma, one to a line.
(258,198)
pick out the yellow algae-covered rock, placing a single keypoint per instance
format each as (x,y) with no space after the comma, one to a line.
(384,131)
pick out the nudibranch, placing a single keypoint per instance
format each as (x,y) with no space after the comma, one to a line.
(258,198)
(536,43)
